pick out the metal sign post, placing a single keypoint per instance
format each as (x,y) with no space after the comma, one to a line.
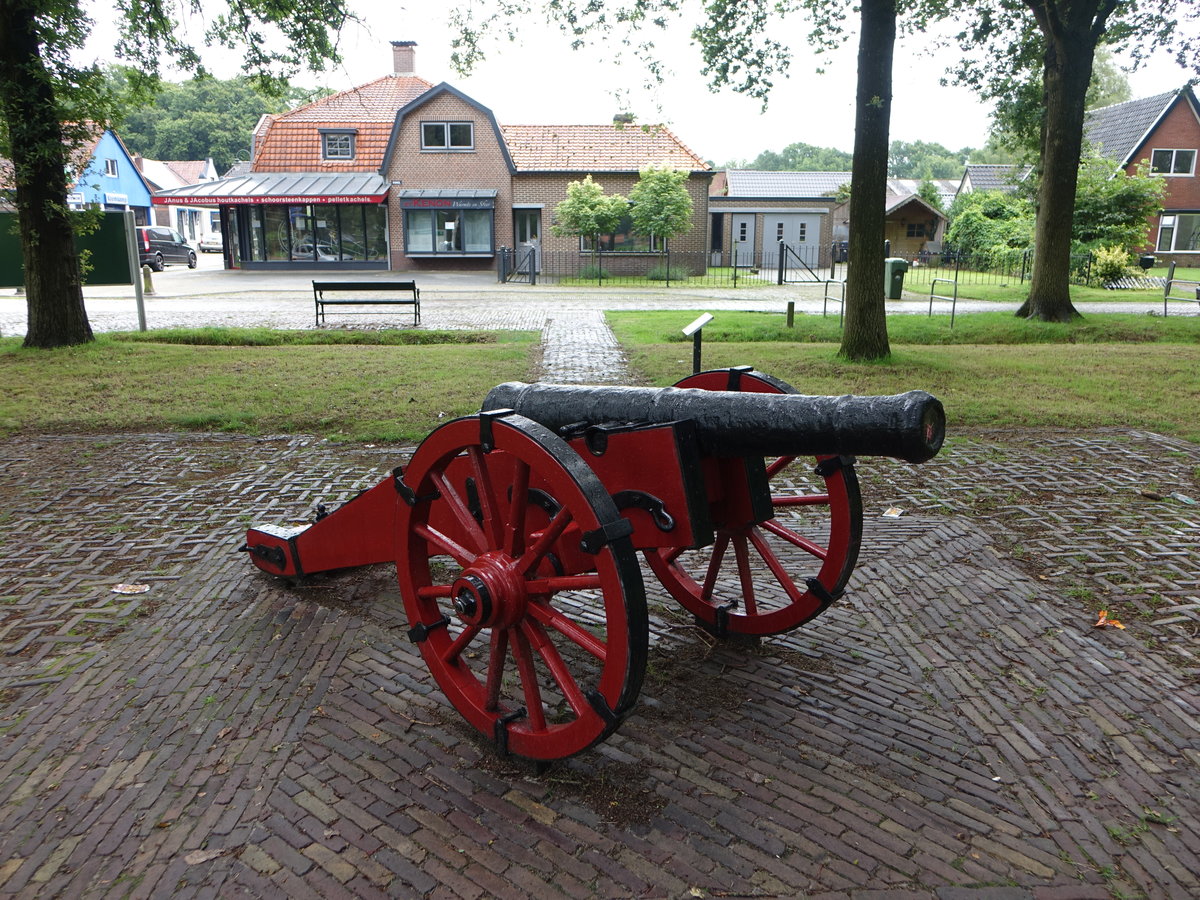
(134,274)
(694,330)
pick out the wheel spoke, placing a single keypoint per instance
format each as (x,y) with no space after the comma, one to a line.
(775,565)
(577,634)
(714,567)
(495,668)
(460,643)
(535,554)
(745,576)
(796,540)
(461,554)
(514,533)
(779,500)
(779,465)
(458,509)
(529,682)
(488,505)
(555,583)
(544,648)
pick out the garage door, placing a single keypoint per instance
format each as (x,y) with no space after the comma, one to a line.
(800,231)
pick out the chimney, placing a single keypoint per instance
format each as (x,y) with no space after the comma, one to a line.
(404,56)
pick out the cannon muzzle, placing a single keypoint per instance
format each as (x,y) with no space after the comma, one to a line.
(909,426)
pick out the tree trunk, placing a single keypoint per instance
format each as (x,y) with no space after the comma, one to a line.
(865,334)
(53,287)
(1070,49)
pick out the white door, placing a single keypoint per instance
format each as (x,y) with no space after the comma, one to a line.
(800,231)
(743,239)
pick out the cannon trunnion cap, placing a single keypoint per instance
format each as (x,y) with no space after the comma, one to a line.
(909,426)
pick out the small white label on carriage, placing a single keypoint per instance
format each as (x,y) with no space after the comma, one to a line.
(893,512)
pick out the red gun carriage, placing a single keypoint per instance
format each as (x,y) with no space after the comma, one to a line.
(515,533)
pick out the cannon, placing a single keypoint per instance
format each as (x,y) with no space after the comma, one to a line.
(515,534)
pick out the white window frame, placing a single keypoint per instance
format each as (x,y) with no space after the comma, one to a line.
(330,137)
(1174,152)
(110,168)
(1170,222)
(446,145)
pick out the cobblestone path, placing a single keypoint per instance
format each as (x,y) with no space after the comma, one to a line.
(955,728)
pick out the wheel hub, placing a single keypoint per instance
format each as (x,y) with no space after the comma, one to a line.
(490,592)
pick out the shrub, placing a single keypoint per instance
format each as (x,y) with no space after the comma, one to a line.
(1110,264)
(591,273)
(665,273)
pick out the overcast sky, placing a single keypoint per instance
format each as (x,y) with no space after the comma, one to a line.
(542,81)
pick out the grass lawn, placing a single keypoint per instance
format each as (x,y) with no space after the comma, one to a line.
(1104,371)
(381,387)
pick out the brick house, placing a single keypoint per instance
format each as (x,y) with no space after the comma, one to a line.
(1163,131)
(406,175)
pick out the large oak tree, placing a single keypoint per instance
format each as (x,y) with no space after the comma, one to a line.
(50,107)
(1061,39)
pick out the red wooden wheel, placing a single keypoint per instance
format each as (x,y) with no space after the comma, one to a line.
(760,579)
(521,585)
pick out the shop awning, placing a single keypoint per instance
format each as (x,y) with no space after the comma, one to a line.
(448,199)
(285,188)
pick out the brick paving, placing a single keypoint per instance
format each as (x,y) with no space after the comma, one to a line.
(954,728)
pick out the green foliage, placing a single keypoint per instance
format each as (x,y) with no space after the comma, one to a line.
(1111,263)
(990,224)
(1112,208)
(799,158)
(587,211)
(929,192)
(661,205)
(919,159)
(198,118)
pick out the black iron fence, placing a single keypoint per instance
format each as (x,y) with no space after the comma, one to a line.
(774,265)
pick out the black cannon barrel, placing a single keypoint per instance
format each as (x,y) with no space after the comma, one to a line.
(908,426)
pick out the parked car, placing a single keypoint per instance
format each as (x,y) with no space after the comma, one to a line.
(211,243)
(158,246)
(324,252)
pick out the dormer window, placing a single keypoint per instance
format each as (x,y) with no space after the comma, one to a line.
(447,135)
(1173,162)
(337,143)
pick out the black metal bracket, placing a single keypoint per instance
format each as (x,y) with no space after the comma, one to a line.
(600,705)
(275,556)
(407,494)
(500,729)
(419,632)
(596,540)
(827,467)
(647,503)
(735,377)
(721,625)
(818,590)
(487,441)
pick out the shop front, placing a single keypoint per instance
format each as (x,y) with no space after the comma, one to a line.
(298,220)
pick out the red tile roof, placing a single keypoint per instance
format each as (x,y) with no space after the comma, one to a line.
(291,141)
(597,148)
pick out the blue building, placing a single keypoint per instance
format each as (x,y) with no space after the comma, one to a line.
(110,180)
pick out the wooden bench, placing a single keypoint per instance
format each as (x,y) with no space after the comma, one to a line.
(321,288)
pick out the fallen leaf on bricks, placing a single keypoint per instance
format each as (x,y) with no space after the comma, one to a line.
(1104,620)
(130,588)
(202,856)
